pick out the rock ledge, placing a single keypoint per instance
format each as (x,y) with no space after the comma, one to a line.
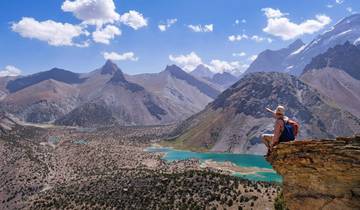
(319,174)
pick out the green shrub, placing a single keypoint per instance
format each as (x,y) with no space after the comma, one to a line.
(279,202)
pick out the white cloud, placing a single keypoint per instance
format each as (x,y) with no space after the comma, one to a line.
(169,23)
(256,38)
(54,33)
(120,57)
(95,12)
(233,67)
(252,58)
(234,38)
(237,22)
(240,54)
(202,28)
(190,61)
(329,6)
(349,9)
(104,35)
(243,21)
(133,19)
(222,66)
(273,13)
(281,26)
(10,71)
(339,1)
(187,62)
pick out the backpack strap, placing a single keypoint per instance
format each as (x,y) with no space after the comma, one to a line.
(283,127)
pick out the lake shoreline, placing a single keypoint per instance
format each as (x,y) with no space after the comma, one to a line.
(252,167)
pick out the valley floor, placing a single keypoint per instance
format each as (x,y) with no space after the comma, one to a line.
(107,168)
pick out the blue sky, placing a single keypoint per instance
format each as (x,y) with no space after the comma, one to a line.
(205,31)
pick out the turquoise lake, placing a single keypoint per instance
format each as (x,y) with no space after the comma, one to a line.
(241,160)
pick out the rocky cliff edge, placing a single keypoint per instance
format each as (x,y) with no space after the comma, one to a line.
(319,174)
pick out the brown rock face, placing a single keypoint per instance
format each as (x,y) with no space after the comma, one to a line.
(319,174)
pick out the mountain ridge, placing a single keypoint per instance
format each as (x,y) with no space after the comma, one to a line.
(347,29)
(234,121)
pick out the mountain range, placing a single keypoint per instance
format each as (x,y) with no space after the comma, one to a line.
(297,55)
(234,121)
(222,80)
(105,96)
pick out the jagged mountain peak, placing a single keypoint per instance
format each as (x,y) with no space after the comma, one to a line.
(109,68)
(202,71)
(118,76)
(173,68)
(296,44)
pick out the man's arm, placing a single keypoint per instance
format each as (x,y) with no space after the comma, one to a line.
(277,133)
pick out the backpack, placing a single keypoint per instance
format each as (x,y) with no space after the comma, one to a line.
(291,129)
(295,126)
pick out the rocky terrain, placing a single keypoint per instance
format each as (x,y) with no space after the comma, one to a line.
(294,62)
(337,85)
(107,168)
(319,174)
(234,121)
(335,74)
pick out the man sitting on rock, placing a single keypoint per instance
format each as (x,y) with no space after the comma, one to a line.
(284,129)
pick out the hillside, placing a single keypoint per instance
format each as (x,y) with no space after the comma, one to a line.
(234,121)
(336,75)
(337,85)
(344,57)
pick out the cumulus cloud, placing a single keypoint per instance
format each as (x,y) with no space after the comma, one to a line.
(168,24)
(188,62)
(54,33)
(233,67)
(104,35)
(202,28)
(133,19)
(100,12)
(10,71)
(94,12)
(233,38)
(279,25)
(222,66)
(240,54)
(120,57)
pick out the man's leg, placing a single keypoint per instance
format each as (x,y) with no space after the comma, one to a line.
(267,139)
